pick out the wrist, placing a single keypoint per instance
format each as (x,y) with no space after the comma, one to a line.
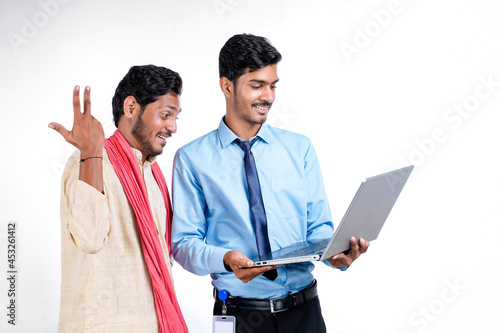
(226,265)
(90,151)
(91,157)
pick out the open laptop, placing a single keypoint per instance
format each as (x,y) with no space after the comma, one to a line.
(364,218)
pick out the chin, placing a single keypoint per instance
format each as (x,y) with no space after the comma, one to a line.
(258,120)
(157,152)
(261,120)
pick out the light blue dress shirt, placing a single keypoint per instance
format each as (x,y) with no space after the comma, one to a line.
(212,214)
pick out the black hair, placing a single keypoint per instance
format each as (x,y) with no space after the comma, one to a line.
(146,84)
(246,51)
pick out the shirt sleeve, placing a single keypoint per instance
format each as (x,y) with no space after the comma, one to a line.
(84,210)
(319,217)
(189,224)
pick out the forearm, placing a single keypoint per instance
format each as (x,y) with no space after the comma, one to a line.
(91,169)
(197,257)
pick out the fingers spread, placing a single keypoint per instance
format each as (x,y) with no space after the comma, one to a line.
(76,101)
(86,101)
(61,129)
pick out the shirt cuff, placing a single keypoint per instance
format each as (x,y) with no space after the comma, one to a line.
(217,260)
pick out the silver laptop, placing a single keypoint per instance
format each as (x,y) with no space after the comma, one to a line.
(364,218)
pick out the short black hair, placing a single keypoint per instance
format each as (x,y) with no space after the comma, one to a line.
(146,84)
(246,51)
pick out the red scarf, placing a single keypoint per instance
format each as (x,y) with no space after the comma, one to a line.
(120,154)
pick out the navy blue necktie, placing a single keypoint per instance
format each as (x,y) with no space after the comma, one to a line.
(256,203)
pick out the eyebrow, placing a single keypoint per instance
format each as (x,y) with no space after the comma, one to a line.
(170,107)
(262,81)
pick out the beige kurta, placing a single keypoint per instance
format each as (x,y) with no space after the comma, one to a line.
(106,285)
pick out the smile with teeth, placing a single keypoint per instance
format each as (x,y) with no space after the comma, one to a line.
(162,137)
(262,107)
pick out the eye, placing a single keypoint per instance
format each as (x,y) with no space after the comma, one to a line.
(273,87)
(255,87)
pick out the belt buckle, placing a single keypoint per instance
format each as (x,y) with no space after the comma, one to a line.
(271,304)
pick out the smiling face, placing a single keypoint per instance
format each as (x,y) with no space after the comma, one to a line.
(156,124)
(254,94)
(250,99)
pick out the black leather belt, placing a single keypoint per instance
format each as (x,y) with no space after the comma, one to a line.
(274,305)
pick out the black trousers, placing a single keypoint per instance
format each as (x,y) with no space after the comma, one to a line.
(305,318)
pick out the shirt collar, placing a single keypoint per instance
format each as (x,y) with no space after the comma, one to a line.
(226,136)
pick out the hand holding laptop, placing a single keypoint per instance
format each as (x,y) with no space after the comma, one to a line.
(243,267)
(357,249)
(363,220)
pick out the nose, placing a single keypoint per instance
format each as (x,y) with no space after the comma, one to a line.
(172,125)
(268,94)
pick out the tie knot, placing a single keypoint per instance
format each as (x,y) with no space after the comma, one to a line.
(246,145)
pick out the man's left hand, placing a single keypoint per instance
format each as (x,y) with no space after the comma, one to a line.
(357,248)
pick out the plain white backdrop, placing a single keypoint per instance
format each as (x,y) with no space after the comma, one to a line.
(375,84)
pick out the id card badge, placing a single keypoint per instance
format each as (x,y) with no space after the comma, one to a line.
(224,323)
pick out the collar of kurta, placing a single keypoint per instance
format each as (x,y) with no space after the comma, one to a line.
(138,157)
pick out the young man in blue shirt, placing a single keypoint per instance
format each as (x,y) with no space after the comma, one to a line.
(222,218)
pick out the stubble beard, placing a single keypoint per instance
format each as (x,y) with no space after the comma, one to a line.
(239,109)
(141,134)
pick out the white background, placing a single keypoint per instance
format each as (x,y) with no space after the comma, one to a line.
(370,82)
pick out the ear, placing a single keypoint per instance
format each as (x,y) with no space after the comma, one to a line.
(227,87)
(130,107)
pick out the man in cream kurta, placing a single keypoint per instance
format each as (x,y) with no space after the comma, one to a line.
(111,257)
(105,282)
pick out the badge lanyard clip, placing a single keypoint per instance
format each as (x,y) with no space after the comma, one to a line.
(224,323)
(223,296)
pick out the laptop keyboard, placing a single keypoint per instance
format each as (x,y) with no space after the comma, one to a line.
(312,249)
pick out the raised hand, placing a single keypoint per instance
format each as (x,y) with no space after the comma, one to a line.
(87,134)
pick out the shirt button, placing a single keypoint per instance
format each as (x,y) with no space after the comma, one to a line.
(287,287)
